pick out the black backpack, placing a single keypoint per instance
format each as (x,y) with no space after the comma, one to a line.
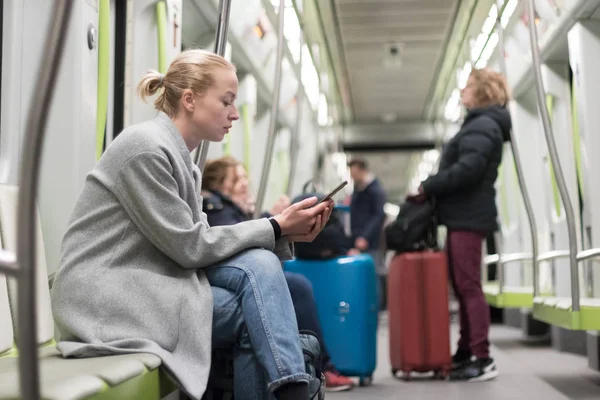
(415,228)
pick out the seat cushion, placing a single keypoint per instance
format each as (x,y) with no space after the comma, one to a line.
(65,379)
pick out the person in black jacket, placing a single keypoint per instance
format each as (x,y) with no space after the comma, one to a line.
(466,205)
(226,202)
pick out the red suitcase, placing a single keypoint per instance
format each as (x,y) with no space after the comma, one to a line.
(419,320)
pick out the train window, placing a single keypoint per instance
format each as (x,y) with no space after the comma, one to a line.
(323,113)
(576,136)
(453,108)
(555,192)
(292,32)
(310,78)
(288,3)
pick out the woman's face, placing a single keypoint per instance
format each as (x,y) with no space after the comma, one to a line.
(215,111)
(241,184)
(229,182)
(468,94)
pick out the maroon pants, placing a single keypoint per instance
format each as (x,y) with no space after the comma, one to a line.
(464,261)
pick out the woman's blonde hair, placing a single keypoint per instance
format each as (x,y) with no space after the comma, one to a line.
(191,69)
(490,88)
(215,172)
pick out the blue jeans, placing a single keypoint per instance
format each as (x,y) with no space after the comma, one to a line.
(253,313)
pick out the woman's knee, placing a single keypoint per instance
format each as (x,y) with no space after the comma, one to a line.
(264,265)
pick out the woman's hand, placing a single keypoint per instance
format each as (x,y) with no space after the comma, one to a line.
(301,222)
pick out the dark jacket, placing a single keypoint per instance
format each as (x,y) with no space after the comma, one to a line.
(366,213)
(464,186)
(221,210)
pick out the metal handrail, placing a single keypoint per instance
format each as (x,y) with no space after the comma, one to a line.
(220,46)
(264,177)
(517,159)
(8,263)
(588,254)
(507,258)
(28,187)
(513,257)
(295,139)
(491,259)
(581,256)
(554,158)
(553,255)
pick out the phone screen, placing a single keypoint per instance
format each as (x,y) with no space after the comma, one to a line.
(334,191)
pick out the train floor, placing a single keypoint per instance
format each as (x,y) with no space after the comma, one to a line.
(526,372)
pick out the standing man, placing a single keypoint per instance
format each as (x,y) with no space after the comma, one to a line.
(366,209)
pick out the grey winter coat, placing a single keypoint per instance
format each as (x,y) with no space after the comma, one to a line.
(130,277)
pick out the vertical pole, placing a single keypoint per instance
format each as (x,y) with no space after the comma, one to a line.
(220,45)
(39,108)
(554,158)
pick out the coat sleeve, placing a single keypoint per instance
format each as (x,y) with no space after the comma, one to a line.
(474,151)
(150,195)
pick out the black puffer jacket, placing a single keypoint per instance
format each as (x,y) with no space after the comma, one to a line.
(464,184)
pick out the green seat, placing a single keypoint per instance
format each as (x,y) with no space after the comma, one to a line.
(128,376)
(558,311)
(511,296)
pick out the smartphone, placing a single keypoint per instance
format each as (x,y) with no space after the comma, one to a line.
(333,192)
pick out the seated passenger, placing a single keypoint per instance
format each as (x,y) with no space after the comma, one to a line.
(465,195)
(227,201)
(141,270)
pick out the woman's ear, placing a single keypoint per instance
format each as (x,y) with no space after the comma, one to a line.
(187,100)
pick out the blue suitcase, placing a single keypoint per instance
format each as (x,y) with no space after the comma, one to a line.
(346,294)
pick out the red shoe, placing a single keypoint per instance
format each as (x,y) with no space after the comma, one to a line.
(334,382)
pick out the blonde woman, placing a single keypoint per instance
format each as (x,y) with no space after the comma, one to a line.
(142,271)
(466,201)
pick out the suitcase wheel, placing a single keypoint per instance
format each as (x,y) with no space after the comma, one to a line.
(439,374)
(365,381)
(394,371)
